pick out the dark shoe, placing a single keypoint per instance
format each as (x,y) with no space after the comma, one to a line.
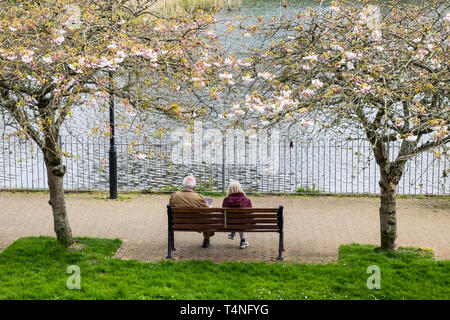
(206,243)
(232,235)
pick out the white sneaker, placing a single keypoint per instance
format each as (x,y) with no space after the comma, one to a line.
(244,244)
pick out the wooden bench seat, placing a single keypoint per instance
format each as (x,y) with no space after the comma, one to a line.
(225,220)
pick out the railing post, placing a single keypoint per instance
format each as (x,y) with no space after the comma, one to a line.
(224,149)
(112,144)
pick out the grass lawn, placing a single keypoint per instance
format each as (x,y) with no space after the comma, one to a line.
(35,268)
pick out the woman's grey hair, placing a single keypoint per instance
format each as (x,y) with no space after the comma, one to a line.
(189,182)
(235,187)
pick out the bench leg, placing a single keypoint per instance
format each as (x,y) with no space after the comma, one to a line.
(173,242)
(169,246)
(280,247)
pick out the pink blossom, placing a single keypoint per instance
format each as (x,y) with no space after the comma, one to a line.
(435,64)
(376,35)
(147,53)
(308,93)
(350,55)
(150,54)
(225,76)
(27,57)
(112,46)
(228,62)
(337,47)
(307,123)
(59,37)
(210,34)
(435,128)
(446,19)
(365,88)
(237,110)
(420,54)
(251,133)
(58,79)
(335,9)
(258,108)
(443,132)
(362,16)
(59,40)
(266,75)
(244,64)
(47,59)
(121,54)
(311,57)
(317,83)
(139,155)
(398,122)
(410,137)
(247,79)
(10,56)
(160,29)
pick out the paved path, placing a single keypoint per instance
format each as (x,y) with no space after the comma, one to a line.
(315,226)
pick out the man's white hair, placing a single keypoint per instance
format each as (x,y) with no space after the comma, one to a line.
(189,182)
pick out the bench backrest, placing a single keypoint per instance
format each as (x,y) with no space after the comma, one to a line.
(226,219)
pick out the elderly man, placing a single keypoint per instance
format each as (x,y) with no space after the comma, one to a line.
(188,198)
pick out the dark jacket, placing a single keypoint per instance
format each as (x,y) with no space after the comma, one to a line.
(237,200)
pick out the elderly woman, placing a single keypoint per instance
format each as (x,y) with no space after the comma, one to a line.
(236,199)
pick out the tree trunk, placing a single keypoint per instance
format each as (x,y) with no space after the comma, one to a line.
(55,174)
(391,173)
(388,214)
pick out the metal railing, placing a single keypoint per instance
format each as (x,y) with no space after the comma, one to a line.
(261,165)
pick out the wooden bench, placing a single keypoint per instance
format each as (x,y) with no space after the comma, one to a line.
(225,220)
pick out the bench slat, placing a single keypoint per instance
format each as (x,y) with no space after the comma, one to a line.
(221,215)
(201,227)
(221,220)
(228,230)
(197,215)
(218,210)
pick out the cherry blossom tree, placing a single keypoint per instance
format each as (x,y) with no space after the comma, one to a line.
(355,68)
(56,55)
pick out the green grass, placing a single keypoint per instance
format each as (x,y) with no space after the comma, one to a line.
(121,198)
(307,190)
(35,268)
